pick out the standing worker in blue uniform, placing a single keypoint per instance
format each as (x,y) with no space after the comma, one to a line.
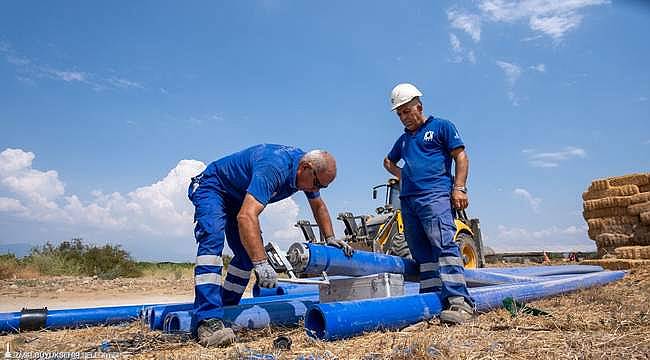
(428,146)
(229,195)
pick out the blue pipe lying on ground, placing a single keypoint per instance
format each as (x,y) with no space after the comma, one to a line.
(340,320)
(251,316)
(545,270)
(158,313)
(36,319)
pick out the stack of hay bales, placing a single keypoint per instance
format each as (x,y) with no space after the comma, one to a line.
(617,210)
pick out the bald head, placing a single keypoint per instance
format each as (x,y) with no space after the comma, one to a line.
(322,165)
(323,162)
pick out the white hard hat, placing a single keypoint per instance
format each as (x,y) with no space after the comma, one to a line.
(402,94)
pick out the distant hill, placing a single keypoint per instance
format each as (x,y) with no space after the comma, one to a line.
(20,250)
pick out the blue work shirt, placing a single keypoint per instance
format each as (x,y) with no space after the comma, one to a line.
(266,171)
(427,157)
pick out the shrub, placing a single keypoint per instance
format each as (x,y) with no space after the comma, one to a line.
(76,258)
(9,266)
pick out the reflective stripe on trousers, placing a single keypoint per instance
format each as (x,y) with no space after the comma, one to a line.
(429,230)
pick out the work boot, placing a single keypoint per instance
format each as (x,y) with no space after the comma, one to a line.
(458,311)
(212,332)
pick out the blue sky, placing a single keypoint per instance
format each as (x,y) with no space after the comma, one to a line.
(108,108)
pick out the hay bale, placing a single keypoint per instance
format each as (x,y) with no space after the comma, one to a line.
(639,208)
(625,190)
(616,264)
(631,179)
(644,188)
(608,202)
(633,252)
(612,240)
(645,217)
(599,184)
(601,223)
(606,212)
(612,229)
(639,198)
(640,239)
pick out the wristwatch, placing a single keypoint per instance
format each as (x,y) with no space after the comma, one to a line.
(462,189)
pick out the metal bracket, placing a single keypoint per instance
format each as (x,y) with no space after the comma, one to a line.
(280,263)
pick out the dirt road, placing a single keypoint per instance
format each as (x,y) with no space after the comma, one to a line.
(74,292)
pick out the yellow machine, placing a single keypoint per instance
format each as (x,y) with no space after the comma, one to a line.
(384,232)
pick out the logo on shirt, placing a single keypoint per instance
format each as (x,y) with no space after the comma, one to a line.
(428,136)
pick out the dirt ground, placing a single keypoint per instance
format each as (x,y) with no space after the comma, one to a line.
(609,322)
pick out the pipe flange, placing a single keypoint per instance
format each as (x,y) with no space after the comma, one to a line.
(298,256)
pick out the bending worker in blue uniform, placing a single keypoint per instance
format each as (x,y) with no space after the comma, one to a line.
(428,191)
(229,195)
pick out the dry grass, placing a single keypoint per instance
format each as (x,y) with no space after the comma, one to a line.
(610,322)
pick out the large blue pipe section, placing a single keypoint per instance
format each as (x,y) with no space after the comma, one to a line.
(251,316)
(345,319)
(36,319)
(332,260)
(157,314)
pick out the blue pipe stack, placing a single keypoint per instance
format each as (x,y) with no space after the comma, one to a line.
(289,303)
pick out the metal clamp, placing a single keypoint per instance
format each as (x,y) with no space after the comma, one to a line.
(280,263)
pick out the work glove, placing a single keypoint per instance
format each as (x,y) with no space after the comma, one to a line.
(266,275)
(347,249)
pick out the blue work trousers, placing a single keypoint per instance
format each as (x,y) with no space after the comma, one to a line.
(429,230)
(216,221)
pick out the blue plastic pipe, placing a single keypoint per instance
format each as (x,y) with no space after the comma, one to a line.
(284,289)
(332,260)
(158,313)
(251,316)
(57,319)
(545,270)
(340,320)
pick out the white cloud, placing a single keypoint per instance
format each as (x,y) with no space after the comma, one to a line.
(539,68)
(555,26)
(471,57)
(124,83)
(29,71)
(11,205)
(69,76)
(37,188)
(460,54)
(278,220)
(160,209)
(553,18)
(553,159)
(532,201)
(512,73)
(554,238)
(470,23)
(455,43)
